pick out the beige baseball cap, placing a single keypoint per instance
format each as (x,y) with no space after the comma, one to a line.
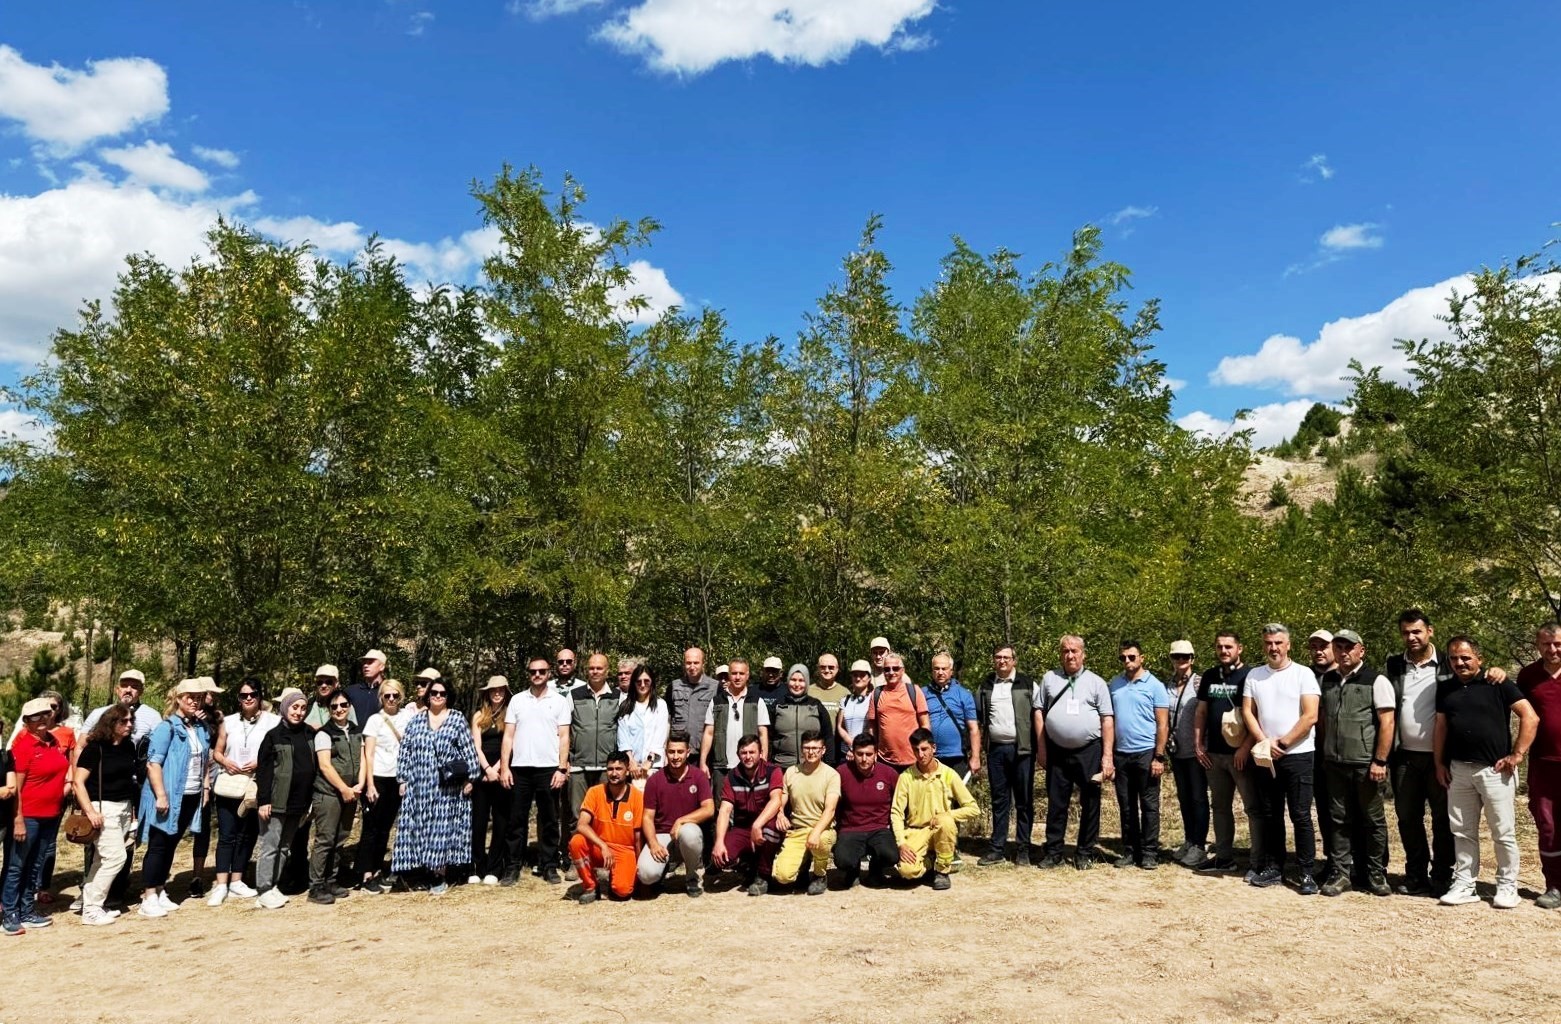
(327,670)
(1321,634)
(134,674)
(189,686)
(723,670)
(1181,647)
(773,662)
(374,654)
(37,706)
(208,684)
(496,683)
(430,673)
(861,665)
(877,642)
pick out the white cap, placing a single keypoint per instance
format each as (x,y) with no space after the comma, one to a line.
(1181,647)
(133,673)
(495,683)
(773,662)
(877,642)
(723,670)
(430,673)
(189,686)
(37,706)
(327,670)
(1321,634)
(374,654)
(861,665)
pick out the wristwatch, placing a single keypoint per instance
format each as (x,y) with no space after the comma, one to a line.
(1161,758)
(1379,762)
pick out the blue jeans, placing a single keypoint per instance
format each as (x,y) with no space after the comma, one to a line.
(25,873)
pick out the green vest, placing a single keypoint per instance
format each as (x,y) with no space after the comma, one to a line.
(346,758)
(1349,717)
(593,727)
(720,703)
(1024,723)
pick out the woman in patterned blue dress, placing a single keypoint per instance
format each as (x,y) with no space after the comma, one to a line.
(436,765)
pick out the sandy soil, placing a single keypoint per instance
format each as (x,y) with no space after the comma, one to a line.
(1005,944)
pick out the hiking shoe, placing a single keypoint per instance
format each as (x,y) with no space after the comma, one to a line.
(1195,857)
(1338,885)
(1217,866)
(988,859)
(1124,861)
(694,889)
(1378,885)
(758,887)
(510,878)
(587,896)
(39,921)
(218,894)
(817,887)
(1052,860)
(1414,887)
(1267,877)
(341,892)
(271,899)
(1022,859)
(1308,886)
(1149,863)
(12,926)
(550,876)
(941,881)
(322,897)
(1550,900)
(1506,897)
(1083,862)
(1458,895)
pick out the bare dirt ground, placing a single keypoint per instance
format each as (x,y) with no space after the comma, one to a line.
(1005,944)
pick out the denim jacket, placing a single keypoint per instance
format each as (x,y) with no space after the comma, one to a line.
(171,745)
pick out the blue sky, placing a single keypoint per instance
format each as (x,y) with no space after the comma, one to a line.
(1299,187)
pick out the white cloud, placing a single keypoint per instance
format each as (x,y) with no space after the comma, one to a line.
(540,9)
(1342,237)
(20,426)
(419,22)
(221,157)
(154,165)
(1131,213)
(651,284)
(1286,363)
(1270,424)
(69,243)
(1316,169)
(693,36)
(1173,383)
(336,238)
(65,109)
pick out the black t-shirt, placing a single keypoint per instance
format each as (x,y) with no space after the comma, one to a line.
(1479,719)
(1221,693)
(8,805)
(111,770)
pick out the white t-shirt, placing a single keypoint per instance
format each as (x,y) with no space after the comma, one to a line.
(734,729)
(243,738)
(387,744)
(1002,728)
(1278,698)
(1417,715)
(853,712)
(536,721)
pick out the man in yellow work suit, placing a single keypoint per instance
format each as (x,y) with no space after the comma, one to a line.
(929,803)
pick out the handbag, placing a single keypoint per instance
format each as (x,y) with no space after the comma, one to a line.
(78,828)
(232,787)
(454,772)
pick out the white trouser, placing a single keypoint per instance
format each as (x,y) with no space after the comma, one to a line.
(689,847)
(110,848)
(1476,787)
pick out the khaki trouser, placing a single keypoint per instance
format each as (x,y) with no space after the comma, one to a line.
(788,862)
(111,852)
(940,836)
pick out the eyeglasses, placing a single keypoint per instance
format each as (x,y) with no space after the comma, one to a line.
(338,705)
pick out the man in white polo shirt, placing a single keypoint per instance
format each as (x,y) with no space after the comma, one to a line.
(1280,706)
(535,756)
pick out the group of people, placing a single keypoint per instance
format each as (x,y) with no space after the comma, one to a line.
(778,780)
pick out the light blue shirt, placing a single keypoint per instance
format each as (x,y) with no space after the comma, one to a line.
(1135,702)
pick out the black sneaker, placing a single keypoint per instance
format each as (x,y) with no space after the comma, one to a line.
(340,892)
(1083,862)
(1124,861)
(372,886)
(199,886)
(1308,886)
(1023,858)
(509,878)
(1270,876)
(817,887)
(941,881)
(1218,866)
(1052,860)
(990,858)
(1378,885)
(550,876)
(694,889)
(1414,887)
(1149,863)
(1338,885)
(321,896)
(758,887)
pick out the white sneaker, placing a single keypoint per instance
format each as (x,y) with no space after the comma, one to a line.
(490,879)
(1506,897)
(218,894)
(473,880)
(75,905)
(242,891)
(111,913)
(152,908)
(97,915)
(271,899)
(169,903)
(1458,895)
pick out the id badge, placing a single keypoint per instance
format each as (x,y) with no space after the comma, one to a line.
(1072,705)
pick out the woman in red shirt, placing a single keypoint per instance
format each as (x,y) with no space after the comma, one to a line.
(41,768)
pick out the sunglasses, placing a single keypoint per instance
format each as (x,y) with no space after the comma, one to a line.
(1181,657)
(536,671)
(892,671)
(439,693)
(248,695)
(1125,658)
(566,661)
(341,704)
(390,696)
